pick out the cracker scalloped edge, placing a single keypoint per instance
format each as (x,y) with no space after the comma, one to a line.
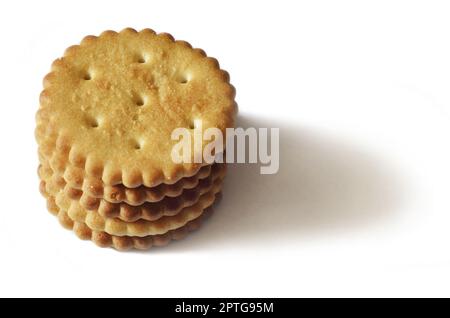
(139,228)
(122,243)
(151,211)
(120,193)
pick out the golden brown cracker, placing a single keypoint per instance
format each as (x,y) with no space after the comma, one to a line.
(118,227)
(110,104)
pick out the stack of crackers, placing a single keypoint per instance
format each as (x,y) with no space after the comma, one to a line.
(104,131)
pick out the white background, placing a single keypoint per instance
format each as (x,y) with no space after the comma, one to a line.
(360,207)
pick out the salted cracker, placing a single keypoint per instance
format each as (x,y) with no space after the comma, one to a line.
(110,104)
(117,227)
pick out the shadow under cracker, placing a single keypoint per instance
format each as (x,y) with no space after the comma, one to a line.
(324,185)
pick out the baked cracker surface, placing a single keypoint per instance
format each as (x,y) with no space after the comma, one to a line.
(110,104)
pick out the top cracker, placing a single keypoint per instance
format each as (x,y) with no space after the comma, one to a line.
(110,104)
